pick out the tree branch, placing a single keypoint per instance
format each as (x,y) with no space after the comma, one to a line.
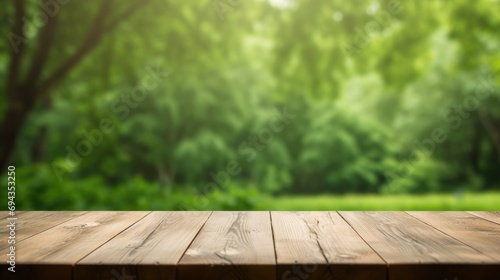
(93,37)
(15,58)
(40,58)
(127,13)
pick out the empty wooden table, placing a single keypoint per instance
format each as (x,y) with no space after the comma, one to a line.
(257,245)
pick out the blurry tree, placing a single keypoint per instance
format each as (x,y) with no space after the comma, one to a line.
(369,82)
(34,69)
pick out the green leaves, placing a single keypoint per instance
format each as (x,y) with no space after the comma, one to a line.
(357,115)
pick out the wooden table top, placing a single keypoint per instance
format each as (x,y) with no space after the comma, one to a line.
(261,245)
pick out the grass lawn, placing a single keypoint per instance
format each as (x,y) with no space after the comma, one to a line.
(467,201)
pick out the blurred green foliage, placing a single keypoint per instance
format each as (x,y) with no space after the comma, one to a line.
(486,201)
(357,115)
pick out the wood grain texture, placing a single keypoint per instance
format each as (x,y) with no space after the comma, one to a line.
(491,216)
(482,235)
(255,245)
(59,248)
(5,214)
(33,222)
(231,245)
(149,249)
(415,250)
(321,245)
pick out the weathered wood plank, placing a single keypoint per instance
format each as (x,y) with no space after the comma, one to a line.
(54,251)
(321,245)
(5,214)
(241,245)
(414,250)
(231,245)
(482,235)
(33,222)
(491,216)
(149,249)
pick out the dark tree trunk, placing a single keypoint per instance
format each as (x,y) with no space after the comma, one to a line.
(23,93)
(9,131)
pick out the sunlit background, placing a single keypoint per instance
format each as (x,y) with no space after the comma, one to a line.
(251,104)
